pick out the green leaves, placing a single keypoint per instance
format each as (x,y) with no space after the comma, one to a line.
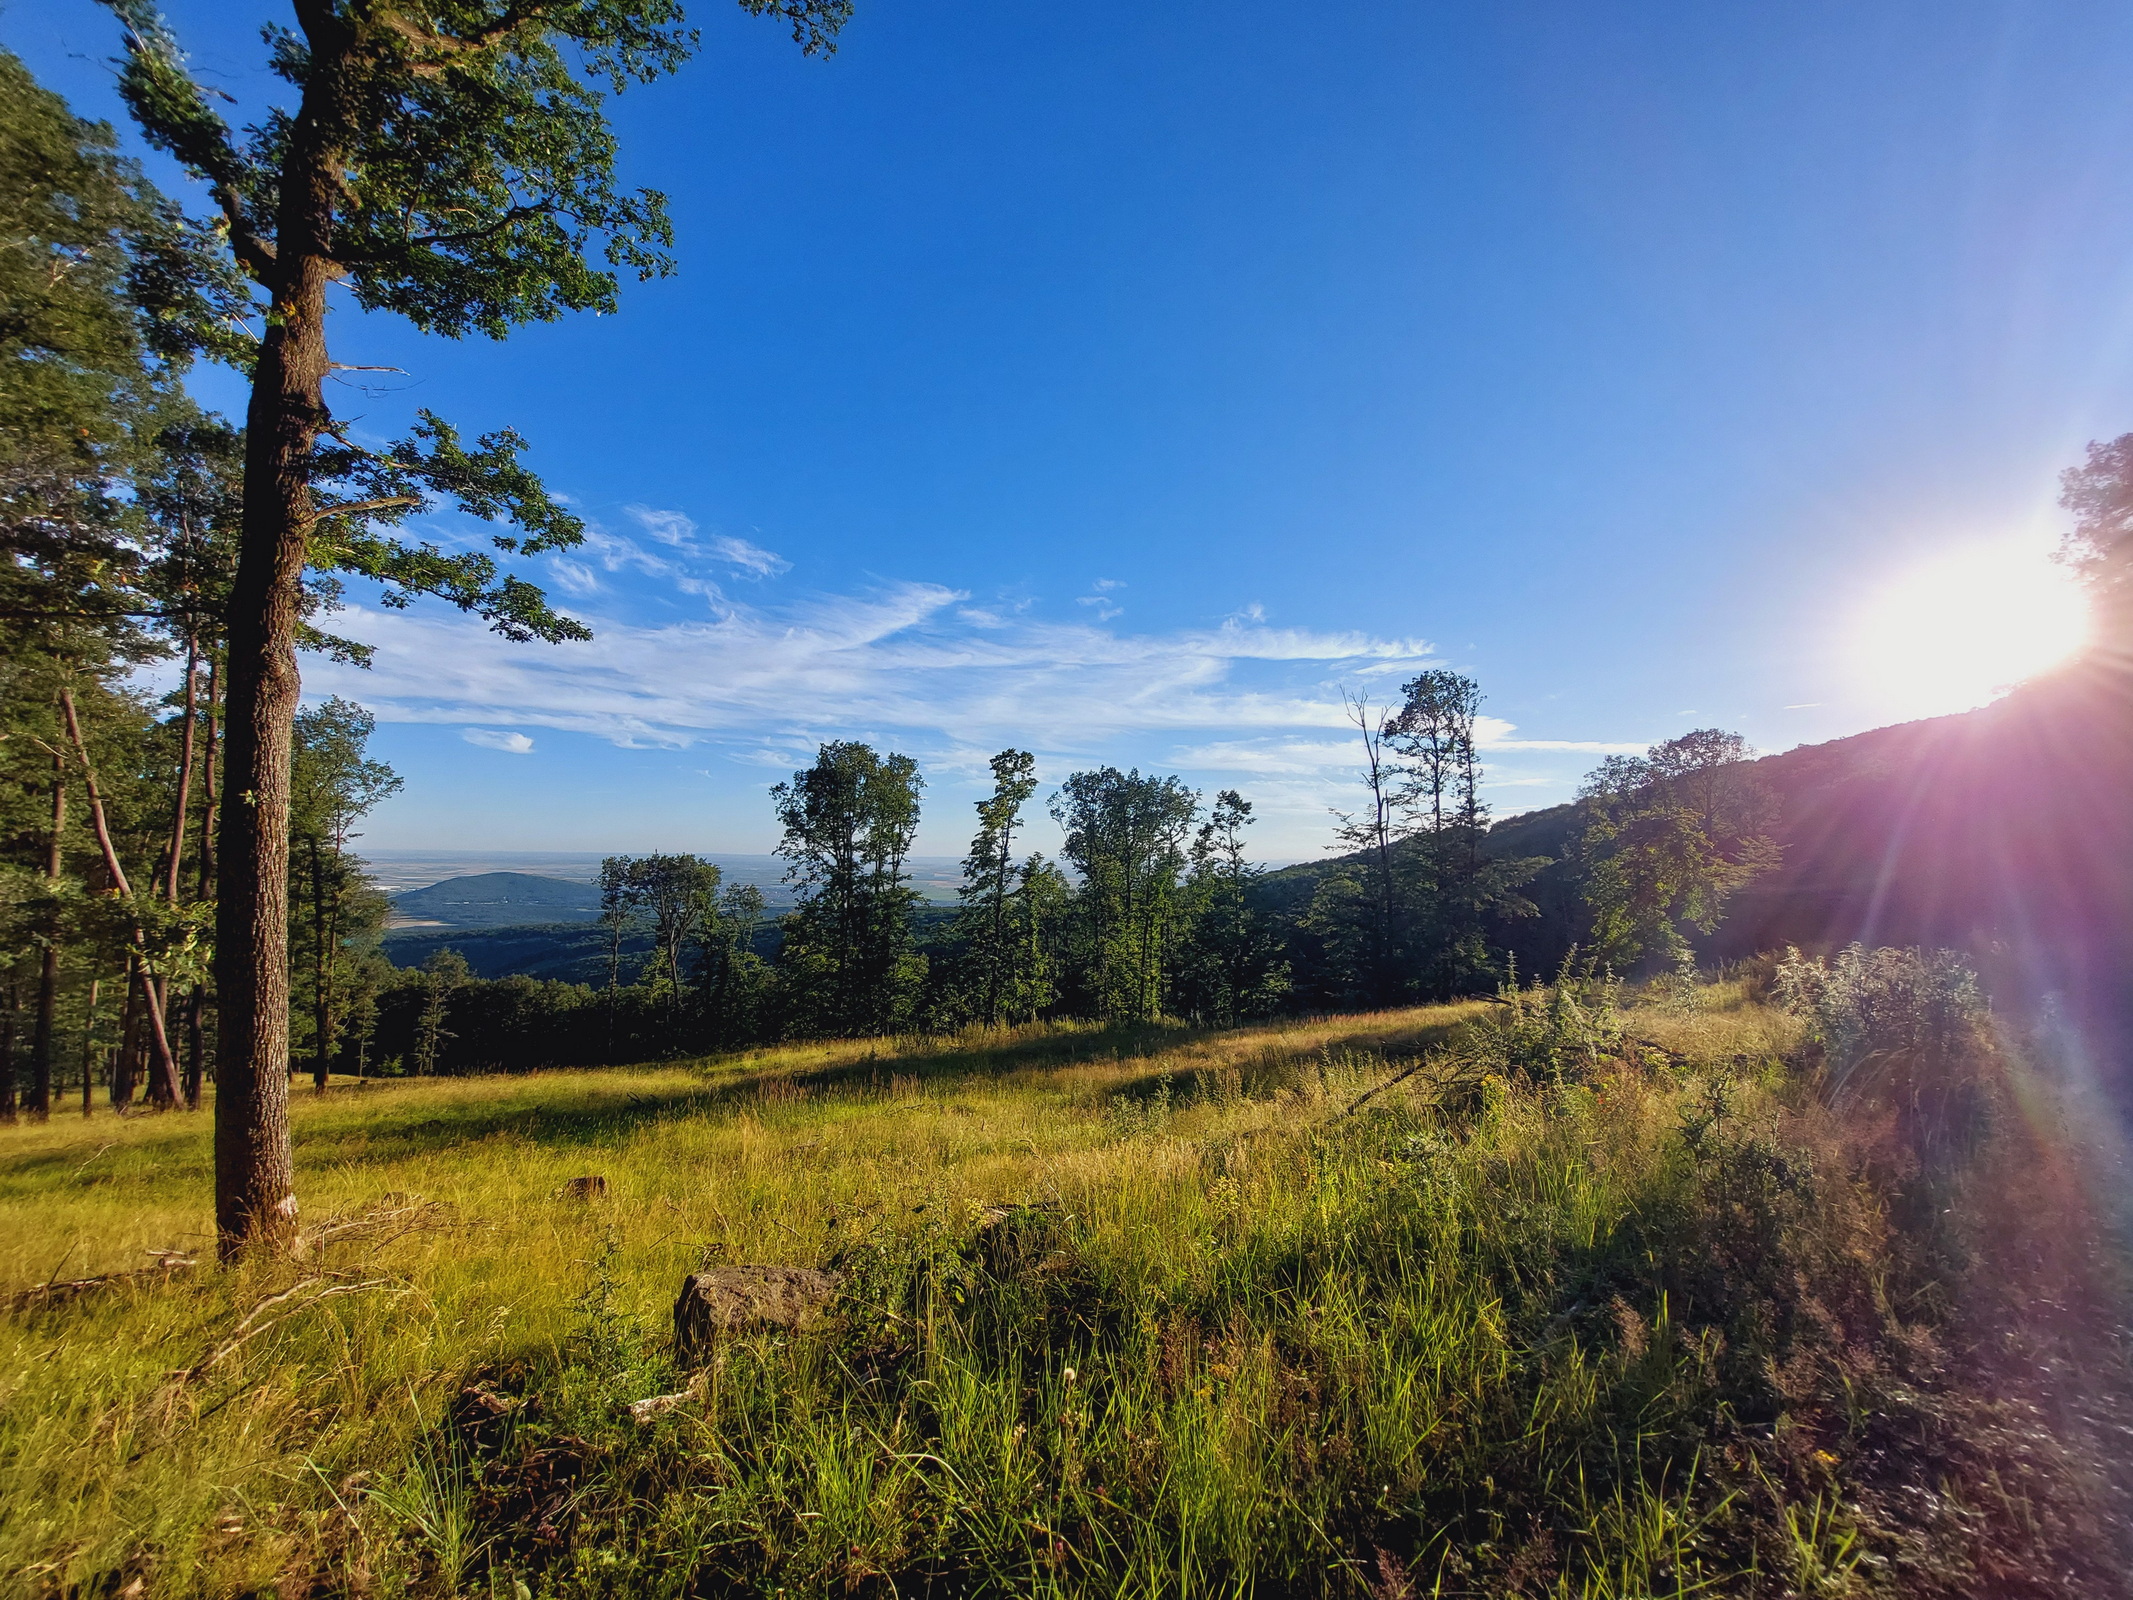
(1669,837)
(428,471)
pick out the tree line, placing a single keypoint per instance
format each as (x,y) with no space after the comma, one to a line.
(1154,908)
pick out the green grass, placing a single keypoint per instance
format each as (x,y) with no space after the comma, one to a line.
(1666,1331)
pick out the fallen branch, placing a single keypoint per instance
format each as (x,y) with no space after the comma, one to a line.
(61,1291)
(396,1218)
(1396,1079)
(645,1412)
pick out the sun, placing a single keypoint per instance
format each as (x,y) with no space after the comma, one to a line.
(1961,628)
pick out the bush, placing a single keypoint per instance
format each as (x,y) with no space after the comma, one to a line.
(1908,1030)
(1554,1033)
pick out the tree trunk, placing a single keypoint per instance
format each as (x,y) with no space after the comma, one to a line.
(255,1180)
(7,1053)
(125,1066)
(185,774)
(321,975)
(195,1035)
(88,1047)
(209,788)
(163,1082)
(46,1041)
(195,1048)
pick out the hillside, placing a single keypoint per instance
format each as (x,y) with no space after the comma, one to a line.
(575,952)
(2006,831)
(497,899)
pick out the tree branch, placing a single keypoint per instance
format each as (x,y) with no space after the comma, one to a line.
(397,502)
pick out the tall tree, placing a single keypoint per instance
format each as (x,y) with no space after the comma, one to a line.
(1357,909)
(849,820)
(1231,966)
(681,894)
(333,784)
(451,163)
(1125,837)
(444,974)
(1669,837)
(985,929)
(1037,919)
(1455,888)
(730,975)
(100,280)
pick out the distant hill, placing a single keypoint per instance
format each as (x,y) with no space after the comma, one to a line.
(498,899)
(2006,831)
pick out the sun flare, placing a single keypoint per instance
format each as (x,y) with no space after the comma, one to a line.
(1953,633)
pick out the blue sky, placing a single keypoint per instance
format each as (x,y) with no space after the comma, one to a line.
(1123,380)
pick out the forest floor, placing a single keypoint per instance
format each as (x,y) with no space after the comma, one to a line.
(1126,1312)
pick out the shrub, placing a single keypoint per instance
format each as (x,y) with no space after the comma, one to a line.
(1906,1029)
(1560,1032)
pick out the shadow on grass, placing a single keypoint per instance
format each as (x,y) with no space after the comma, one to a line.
(580,1111)
(24,1173)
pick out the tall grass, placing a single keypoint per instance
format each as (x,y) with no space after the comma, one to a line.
(1142,1313)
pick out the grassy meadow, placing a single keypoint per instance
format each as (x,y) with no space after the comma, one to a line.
(1155,1312)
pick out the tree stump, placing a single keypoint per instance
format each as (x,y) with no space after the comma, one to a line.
(730,1300)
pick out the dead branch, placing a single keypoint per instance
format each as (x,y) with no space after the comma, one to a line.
(46,1295)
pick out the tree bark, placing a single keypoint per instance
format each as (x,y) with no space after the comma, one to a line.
(7,1052)
(88,1047)
(183,806)
(321,974)
(255,1179)
(46,1041)
(195,1048)
(195,1031)
(125,1066)
(210,792)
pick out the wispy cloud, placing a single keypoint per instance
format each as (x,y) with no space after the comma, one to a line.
(1099,598)
(668,549)
(1493,733)
(901,657)
(923,668)
(517,744)
(750,560)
